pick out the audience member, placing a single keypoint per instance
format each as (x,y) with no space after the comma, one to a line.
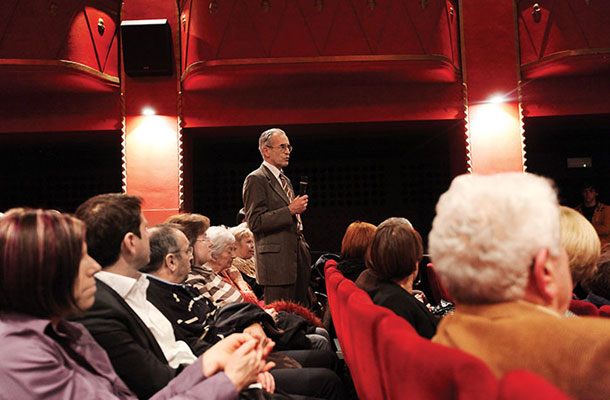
(495,242)
(46,275)
(579,239)
(139,340)
(195,226)
(223,254)
(599,283)
(596,212)
(244,257)
(394,258)
(197,319)
(367,280)
(354,246)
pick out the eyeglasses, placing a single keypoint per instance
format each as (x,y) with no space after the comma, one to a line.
(205,239)
(283,147)
(188,251)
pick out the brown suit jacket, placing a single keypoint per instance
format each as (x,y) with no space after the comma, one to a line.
(571,353)
(274,228)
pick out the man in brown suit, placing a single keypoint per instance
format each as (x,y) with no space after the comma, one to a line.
(495,243)
(273,215)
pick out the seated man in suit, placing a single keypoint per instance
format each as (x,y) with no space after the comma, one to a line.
(188,310)
(139,340)
(495,242)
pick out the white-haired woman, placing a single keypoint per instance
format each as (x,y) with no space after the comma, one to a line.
(222,255)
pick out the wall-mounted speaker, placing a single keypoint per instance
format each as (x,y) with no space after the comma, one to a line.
(147,47)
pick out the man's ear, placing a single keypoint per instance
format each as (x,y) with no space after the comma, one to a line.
(129,243)
(542,282)
(170,261)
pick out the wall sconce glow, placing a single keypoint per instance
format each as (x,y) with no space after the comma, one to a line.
(148,111)
(496,99)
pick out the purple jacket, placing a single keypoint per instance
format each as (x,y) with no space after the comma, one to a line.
(41,362)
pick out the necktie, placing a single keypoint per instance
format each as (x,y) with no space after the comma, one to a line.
(286,187)
(288,190)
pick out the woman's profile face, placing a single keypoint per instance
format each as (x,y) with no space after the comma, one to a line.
(201,250)
(84,286)
(245,247)
(225,259)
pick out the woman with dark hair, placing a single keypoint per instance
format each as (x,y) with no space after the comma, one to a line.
(47,275)
(356,241)
(394,258)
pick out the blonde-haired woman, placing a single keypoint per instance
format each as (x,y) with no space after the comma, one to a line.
(581,242)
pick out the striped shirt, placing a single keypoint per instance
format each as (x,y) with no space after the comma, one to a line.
(213,287)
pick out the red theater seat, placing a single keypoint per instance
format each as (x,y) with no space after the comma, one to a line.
(604,311)
(436,287)
(355,318)
(583,308)
(525,385)
(416,368)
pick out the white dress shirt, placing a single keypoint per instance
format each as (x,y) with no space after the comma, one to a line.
(133,291)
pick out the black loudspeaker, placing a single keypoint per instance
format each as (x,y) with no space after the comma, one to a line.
(147,47)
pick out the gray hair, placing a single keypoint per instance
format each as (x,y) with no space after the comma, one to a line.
(266,138)
(162,242)
(396,221)
(221,236)
(487,231)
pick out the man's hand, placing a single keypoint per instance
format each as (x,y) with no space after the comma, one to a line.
(241,357)
(298,205)
(245,364)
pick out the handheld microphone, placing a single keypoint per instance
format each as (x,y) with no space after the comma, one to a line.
(303,186)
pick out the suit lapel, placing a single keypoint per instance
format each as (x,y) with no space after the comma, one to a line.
(275,185)
(120,303)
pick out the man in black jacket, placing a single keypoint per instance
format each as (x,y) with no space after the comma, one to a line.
(195,319)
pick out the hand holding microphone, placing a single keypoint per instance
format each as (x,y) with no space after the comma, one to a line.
(299,204)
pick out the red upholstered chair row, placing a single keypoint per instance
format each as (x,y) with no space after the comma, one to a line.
(604,311)
(389,360)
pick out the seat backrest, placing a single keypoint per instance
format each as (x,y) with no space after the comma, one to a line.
(585,308)
(363,358)
(604,311)
(355,318)
(332,277)
(414,367)
(436,287)
(526,385)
